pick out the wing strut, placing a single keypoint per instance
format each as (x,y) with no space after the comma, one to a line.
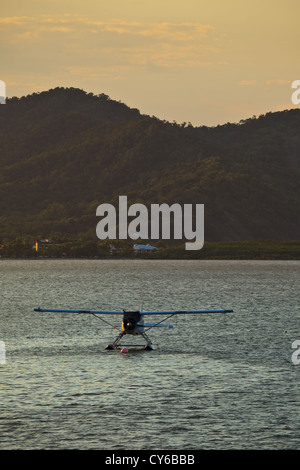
(165,318)
(105,321)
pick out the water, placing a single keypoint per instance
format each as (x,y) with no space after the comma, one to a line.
(213,381)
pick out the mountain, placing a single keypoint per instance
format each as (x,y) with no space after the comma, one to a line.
(64,152)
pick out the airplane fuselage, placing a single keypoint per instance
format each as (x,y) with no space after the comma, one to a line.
(132,323)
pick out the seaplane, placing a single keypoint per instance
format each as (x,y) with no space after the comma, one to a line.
(133,322)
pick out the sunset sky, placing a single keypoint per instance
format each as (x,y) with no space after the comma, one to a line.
(201,61)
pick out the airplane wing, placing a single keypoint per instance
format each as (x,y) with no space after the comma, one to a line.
(175,312)
(65,310)
(121,312)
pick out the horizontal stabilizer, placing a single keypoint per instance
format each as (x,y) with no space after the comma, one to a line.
(146,325)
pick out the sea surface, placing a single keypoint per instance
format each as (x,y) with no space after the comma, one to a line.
(216,382)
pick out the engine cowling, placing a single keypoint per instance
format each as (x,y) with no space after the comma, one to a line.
(130,320)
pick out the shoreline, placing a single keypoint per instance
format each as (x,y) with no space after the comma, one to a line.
(78,249)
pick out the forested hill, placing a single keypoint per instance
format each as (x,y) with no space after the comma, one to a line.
(64,152)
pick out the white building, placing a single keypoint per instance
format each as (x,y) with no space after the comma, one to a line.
(139,248)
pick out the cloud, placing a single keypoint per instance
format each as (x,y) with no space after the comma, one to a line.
(15,20)
(77,43)
(164,31)
(265,82)
(278,82)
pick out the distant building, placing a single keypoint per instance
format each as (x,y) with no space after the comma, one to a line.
(42,244)
(139,248)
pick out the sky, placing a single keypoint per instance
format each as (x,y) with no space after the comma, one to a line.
(206,62)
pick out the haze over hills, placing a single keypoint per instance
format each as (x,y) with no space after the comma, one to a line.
(64,152)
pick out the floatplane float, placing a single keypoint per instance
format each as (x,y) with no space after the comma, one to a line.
(132,322)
